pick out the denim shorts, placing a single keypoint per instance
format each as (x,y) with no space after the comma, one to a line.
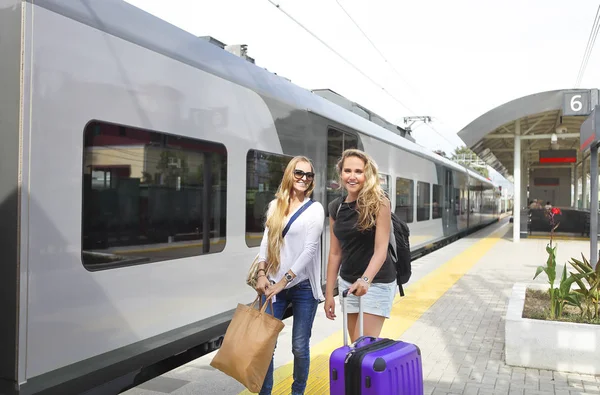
(377,301)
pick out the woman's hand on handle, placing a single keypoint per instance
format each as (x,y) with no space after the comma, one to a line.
(359,288)
(275,289)
(262,285)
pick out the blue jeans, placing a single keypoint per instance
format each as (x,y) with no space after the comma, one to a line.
(304,307)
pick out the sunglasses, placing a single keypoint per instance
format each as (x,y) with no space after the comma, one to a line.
(298,174)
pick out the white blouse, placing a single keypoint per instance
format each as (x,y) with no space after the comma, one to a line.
(301,250)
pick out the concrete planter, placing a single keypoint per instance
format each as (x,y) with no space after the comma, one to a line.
(561,346)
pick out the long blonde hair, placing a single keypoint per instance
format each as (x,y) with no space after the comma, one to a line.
(279,208)
(371,196)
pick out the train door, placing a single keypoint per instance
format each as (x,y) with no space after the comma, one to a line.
(450,203)
(337,142)
(467,199)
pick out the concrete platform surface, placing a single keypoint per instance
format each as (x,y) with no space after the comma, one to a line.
(453,310)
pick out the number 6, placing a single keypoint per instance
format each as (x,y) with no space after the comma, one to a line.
(576,105)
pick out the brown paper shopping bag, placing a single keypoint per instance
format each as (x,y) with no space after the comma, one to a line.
(248,345)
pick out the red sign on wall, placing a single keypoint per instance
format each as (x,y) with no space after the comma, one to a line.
(558,156)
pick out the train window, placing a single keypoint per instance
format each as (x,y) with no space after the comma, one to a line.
(264,172)
(437,201)
(337,142)
(404,199)
(456,197)
(474,199)
(350,141)
(384,181)
(150,196)
(423,196)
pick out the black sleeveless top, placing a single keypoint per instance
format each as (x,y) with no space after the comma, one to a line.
(357,247)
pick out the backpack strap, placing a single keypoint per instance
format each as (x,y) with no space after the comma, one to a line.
(392,243)
(342,198)
(296,215)
(393,240)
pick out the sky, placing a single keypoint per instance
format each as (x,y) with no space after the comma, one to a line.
(450,60)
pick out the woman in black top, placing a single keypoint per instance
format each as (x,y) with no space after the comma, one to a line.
(360,232)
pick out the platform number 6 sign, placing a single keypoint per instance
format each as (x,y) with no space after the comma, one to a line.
(576,103)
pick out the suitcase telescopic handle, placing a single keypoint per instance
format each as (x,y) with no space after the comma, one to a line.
(345,318)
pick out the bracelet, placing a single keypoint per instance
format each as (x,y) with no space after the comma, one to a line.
(261,270)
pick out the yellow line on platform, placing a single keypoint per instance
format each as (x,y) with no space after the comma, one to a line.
(420,296)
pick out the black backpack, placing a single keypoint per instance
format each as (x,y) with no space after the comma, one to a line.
(399,251)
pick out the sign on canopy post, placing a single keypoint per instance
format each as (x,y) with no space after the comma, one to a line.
(589,139)
(577,102)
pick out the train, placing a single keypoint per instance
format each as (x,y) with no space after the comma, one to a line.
(136,164)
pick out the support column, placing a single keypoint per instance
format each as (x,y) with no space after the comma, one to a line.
(525,178)
(584,201)
(594,206)
(576,193)
(517,184)
(572,185)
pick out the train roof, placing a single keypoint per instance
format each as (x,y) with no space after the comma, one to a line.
(123,20)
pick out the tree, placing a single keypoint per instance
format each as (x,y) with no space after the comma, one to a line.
(468,158)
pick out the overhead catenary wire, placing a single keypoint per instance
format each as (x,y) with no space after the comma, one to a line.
(589,47)
(353,66)
(390,64)
(376,49)
(341,56)
(590,51)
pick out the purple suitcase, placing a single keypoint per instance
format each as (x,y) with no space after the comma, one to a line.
(374,366)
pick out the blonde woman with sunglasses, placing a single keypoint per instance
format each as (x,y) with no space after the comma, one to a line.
(290,264)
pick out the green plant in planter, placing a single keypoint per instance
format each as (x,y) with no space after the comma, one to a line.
(564,295)
(550,268)
(590,293)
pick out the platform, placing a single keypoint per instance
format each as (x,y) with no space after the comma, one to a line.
(453,310)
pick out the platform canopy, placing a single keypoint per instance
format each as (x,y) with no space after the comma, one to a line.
(535,118)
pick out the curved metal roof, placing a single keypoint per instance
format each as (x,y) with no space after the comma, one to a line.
(491,136)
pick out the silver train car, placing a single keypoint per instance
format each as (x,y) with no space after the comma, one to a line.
(136,163)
